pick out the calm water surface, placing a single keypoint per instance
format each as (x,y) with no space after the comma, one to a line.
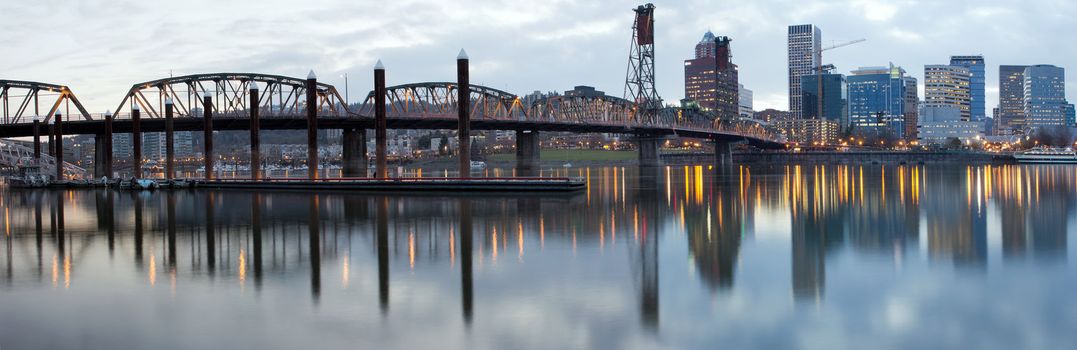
(675,257)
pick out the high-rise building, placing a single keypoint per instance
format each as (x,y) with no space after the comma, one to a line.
(877,100)
(804,40)
(977,84)
(121,145)
(912,107)
(1045,95)
(711,77)
(948,86)
(1011,99)
(835,98)
(745,96)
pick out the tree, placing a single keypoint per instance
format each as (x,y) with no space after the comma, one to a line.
(953,143)
(1057,136)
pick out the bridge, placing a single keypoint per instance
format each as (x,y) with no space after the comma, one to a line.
(255,102)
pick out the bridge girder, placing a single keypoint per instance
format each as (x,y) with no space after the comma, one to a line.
(28,95)
(439,100)
(279,96)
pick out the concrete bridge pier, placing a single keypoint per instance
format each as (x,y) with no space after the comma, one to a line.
(380,121)
(136,140)
(527,151)
(648,150)
(354,153)
(463,105)
(312,126)
(100,157)
(170,150)
(106,146)
(59,131)
(207,135)
(255,129)
(723,153)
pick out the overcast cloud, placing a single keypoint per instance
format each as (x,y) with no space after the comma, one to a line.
(100,48)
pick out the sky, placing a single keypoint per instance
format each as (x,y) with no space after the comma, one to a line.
(100,48)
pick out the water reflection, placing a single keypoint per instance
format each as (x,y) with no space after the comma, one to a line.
(622,242)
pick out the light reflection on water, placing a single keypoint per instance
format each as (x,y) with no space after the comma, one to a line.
(679,256)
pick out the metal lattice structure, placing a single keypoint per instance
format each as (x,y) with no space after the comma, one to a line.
(27,97)
(439,100)
(606,110)
(639,84)
(279,96)
(18,155)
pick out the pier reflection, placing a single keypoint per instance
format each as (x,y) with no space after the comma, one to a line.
(384,244)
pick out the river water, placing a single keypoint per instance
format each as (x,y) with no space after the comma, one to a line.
(774,256)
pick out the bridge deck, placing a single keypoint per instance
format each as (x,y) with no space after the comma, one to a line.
(92,127)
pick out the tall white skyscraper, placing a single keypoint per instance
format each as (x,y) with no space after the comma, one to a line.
(803,40)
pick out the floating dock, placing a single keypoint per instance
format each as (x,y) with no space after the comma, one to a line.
(508,184)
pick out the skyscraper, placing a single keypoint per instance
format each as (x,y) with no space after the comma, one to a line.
(835,98)
(711,77)
(745,97)
(1045,95)
(912,108)
(804,40)
(1011,98)
(877,100)
(977,80)
(948,86)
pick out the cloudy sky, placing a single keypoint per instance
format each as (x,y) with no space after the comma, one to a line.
(100,48)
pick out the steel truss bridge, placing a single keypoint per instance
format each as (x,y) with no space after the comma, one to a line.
(282,102)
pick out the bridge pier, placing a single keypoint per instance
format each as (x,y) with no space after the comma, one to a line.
(380,123)
(136,139)
(170,152)
(59,131)
(256,142)
(37,141)
(100,157)
(463,103)
(312,126)
(648,150)
(107,146)
(207,135)
(354,162)
(527,151)
(723,153)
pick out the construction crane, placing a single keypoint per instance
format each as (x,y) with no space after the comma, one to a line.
(819,70)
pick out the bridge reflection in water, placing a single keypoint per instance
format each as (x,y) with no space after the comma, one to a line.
(267,240)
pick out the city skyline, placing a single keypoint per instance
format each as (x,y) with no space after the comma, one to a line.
(517,47)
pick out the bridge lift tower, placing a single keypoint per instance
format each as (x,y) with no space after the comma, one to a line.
(639,85)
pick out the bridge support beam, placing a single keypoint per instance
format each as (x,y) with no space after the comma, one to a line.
(723,153)
(136,140)
(312,126)
(354,159)
(207,135)
(37,141)
(107,146)
(648,150)
(100,157)
(59,131)
(256,142)
(170,151)
(527,151)
(380,123)
(463,103)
